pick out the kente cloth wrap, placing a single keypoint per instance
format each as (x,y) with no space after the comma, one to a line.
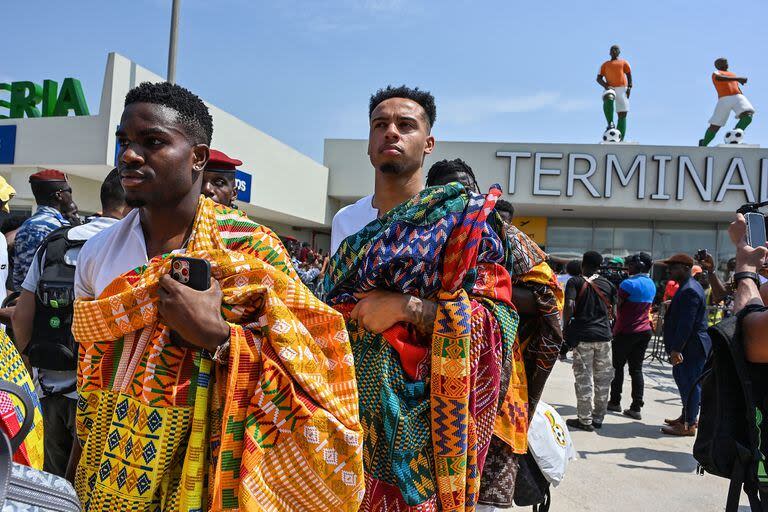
(165,428)
(429,407)
(12,412)
(540,338)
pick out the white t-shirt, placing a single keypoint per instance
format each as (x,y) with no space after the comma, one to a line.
(351,219)
(109,254)
(52,379)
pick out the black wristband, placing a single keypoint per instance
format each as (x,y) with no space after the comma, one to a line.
(738,276)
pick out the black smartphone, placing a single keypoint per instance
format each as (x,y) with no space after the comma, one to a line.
(755,229)
(192,272)
(701,255)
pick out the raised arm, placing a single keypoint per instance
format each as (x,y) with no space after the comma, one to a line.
(719,291)
(741,79)
(755,325)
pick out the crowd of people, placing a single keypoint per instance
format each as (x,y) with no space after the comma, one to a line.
(614,309)
(310,264)
(185,357)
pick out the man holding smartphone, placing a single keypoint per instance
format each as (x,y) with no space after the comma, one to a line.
(687,343)
(228,394)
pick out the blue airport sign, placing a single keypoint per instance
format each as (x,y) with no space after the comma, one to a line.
(8,144)
(243,185)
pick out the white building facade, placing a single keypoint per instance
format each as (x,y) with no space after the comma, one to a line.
(84,147)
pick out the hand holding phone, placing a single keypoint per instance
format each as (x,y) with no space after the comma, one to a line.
(192,272)
(756,236)
(190,307)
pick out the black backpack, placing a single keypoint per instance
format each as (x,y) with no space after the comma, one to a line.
(531,486)
(52,346)
(732,431)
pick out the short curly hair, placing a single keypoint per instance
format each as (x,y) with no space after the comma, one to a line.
(193,114)
(423,98)
(438,169)
(505,206)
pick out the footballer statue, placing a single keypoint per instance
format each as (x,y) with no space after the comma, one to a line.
(615,78)
(729,98)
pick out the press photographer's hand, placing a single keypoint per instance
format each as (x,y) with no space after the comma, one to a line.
(748,259)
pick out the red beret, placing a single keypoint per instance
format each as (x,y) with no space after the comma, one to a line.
(48,175)
(219,162)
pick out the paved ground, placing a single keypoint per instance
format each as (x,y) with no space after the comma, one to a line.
(630,465)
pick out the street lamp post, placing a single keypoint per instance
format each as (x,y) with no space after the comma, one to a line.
(174,38)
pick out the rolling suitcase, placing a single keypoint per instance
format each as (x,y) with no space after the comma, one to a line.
(23,488)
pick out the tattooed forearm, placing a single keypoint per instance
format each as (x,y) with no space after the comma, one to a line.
(422,313)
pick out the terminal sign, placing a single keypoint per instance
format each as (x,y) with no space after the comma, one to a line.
(28,99)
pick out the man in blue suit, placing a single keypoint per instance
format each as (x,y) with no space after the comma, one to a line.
(687,343)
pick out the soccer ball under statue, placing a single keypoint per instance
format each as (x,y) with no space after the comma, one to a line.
(612,135)
(734,136)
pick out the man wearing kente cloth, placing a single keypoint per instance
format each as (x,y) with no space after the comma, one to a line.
(432,327)
(240,397)
(539,300)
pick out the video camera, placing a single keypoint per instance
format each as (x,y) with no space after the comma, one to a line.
(613,272)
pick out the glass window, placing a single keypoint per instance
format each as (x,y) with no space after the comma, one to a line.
(674,237)
(622,237)
(603,240)
(568,238)
(725,248)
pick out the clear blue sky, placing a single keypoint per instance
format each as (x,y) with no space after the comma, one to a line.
(500,70)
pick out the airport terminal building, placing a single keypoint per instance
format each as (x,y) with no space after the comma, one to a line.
(613,198)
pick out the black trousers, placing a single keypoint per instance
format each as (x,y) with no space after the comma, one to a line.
(59,426)
(629,349)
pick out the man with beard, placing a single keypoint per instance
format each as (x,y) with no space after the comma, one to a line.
(432,326)
(220,399)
